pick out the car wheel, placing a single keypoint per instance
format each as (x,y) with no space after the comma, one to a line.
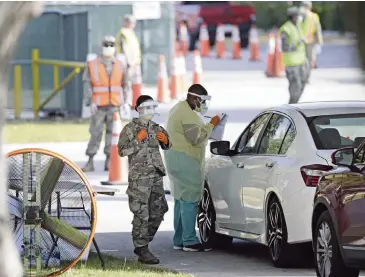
(327,255)
(277,236)
(206,224)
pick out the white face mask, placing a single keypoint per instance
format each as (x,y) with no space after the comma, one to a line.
(108,51)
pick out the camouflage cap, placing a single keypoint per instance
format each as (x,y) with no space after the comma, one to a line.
(128,18)
(292,11)
(110,39)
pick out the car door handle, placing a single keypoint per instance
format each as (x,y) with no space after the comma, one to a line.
(270,165)
(240,165)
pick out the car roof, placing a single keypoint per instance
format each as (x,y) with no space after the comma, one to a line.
(310,109)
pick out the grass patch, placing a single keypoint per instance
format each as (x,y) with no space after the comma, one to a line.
(46,131)
(119,268)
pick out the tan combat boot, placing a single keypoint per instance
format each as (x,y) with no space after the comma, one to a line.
(89,167)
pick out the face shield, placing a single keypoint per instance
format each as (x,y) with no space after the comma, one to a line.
(204,102)
(147,109)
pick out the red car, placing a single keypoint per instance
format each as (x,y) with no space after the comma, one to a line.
(338,221)
(228,13)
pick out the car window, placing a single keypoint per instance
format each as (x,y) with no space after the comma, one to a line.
(274,135)
(289,137)
(249,139)
(337,130)
(360,157)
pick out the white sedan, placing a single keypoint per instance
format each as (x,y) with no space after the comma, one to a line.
(262,188)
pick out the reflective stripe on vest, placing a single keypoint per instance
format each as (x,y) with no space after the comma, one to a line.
(106,90)
(132,49)
(295,57)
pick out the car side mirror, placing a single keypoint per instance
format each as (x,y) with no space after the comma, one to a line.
(343,156)
(221,148)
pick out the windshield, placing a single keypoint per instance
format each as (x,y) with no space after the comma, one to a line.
(337,131)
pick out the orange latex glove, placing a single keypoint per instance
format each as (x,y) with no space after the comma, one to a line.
(162,137)
(142,134)
(215,120)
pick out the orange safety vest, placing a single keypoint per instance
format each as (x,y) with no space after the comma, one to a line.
(106,91)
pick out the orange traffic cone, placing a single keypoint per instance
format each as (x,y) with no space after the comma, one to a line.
(219,42)
(198,68)
(274,65)
(162,82)
(184,38)
(236,40)
(278,64)
(270,55)
(115,168)
(204,40)
(136,85)
(174,82)
(280,54)
(254,44)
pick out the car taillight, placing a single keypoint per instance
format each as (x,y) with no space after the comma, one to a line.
(312,173)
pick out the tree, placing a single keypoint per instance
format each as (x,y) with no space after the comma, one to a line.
(13,17)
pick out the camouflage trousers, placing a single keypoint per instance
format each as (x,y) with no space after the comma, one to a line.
(148,204)
(104,115)
(310,57)
(297,77)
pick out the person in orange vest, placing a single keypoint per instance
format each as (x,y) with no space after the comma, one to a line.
(312,30)
(106,89)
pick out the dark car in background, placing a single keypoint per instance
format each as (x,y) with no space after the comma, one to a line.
(338,221)
(228,13)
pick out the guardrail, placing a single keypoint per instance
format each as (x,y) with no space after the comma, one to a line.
(57,86)
(36,61)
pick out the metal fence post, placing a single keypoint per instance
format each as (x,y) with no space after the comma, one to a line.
(35,81)
(18,91)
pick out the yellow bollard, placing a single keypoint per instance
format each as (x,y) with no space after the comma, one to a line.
(18,91)
(35,81)
(56,77)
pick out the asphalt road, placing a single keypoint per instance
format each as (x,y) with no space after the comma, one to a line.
(240,89)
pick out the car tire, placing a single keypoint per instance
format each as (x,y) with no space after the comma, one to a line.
(325,231)
(206,224)
(277,236)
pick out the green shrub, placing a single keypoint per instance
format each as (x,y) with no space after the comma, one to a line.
(270,14)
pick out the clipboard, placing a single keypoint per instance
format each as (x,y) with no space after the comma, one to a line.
(218,130)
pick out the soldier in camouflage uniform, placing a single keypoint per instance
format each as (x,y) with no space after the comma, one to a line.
(104,103)
(140,140)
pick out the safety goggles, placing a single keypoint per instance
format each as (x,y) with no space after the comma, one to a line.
(108,44)
(147,108)
(204,98)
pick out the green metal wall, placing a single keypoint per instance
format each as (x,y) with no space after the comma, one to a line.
(69,32)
